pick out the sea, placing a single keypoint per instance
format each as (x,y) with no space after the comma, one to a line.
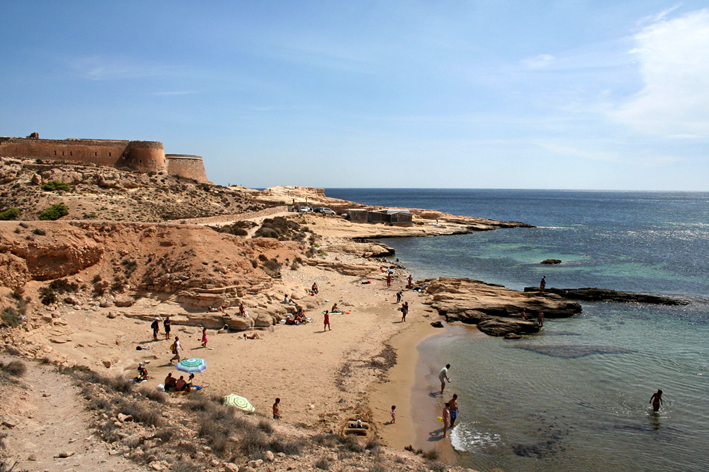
(576,396)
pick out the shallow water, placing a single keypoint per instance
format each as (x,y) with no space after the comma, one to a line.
(574,397)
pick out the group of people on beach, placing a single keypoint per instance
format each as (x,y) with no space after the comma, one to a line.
(450,408)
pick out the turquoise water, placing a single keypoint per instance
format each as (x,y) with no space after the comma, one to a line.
(576,396)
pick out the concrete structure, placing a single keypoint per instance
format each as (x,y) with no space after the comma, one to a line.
(392,216)
(138,156)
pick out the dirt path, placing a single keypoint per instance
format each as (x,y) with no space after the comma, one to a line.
(51,422)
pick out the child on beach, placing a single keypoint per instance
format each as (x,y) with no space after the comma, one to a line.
(277,409)
(393,414)
(326,321)
(446,416)
(204,337)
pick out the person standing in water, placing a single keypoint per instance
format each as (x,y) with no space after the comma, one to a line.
(656,400)
(445,415)
(453,408)
(443,376)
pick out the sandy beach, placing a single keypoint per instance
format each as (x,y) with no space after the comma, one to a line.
(322,377)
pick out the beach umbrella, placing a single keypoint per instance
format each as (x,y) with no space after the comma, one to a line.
(239,402)
(192,366)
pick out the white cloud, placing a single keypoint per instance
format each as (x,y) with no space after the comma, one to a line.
(113,68)
(538,62)
(673,58)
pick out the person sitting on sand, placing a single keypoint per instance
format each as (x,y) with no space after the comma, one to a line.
(656,400)
(142,373)
(252,336)
(335,309)
(287,300)
(190,386)
(314,288)
(180,383)
(170,382)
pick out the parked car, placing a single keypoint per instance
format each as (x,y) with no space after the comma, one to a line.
(327,211)
(305,209)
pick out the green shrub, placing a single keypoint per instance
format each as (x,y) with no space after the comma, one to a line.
(55,212)
(9,214)
(55,185)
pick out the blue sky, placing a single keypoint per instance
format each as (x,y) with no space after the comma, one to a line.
(469,94)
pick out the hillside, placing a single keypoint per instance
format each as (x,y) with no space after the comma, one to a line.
(105,193)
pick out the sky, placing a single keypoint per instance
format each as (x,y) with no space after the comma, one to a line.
(597,95)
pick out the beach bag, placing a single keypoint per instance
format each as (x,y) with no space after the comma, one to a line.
(173,347)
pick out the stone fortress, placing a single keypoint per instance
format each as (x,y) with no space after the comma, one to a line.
(137,156)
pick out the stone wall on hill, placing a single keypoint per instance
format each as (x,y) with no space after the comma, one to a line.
(138,156)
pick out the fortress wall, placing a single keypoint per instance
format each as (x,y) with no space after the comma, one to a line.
(143,156)
(190,167)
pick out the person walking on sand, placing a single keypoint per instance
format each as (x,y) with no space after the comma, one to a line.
(445,415)
(543,284)
(443,376)
(167,323)
(204,337)
(453,408)
(393,414)
(326,321)
(404,310)
(277,409)
(656,400)
(176,348)
(156,328)
(388,280)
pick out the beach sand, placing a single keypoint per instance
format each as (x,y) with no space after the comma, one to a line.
(322,377)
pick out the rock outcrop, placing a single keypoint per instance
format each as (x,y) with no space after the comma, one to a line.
(495,309)
(606,295)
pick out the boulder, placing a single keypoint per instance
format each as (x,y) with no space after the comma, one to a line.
(495,309)
(551,261)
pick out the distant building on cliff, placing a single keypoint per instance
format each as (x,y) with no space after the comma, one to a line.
(137,156)
(392,216)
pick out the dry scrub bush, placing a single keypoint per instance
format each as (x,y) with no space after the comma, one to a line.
(14,368)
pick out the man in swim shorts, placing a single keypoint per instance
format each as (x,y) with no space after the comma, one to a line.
(453,408)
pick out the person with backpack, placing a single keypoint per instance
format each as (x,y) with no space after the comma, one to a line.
(176,348)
